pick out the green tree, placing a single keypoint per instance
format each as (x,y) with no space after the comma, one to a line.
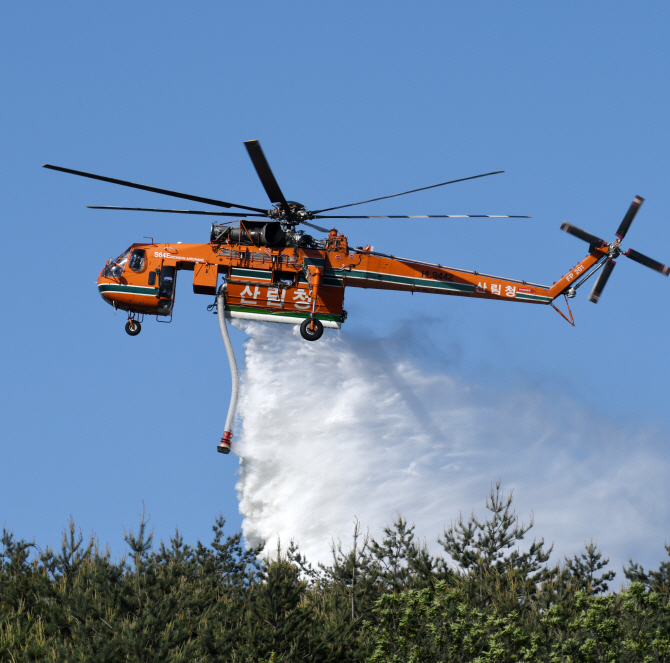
(424,626)
(18,576)
(485,545)
(278,623)
(23,588)
(344,594)
(493,569)
(224,574)
(402,563)
(656,581)
(582,570)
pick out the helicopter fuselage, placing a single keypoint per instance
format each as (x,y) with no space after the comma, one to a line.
(290,283)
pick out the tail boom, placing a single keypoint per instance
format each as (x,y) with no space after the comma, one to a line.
(379,271)
(578,271)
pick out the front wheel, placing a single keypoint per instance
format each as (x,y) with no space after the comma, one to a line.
(133,327)
(313,334)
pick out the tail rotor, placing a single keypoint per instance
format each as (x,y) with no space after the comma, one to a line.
(614,250)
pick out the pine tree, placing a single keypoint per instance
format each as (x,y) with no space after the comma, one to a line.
(17,574)
(582,570)
(227,559)
(488,545)
(353,573)
(404,564)
(24,588)
(655,581)
(345,594)
(225,574)
(278,625)
(495,573)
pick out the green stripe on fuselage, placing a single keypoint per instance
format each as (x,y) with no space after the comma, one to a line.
(315,262)
(245,272)
(377,277)
(128,289)
(540,299)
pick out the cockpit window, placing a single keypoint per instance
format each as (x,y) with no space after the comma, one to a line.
(115,269)
(122,259)
(137,260)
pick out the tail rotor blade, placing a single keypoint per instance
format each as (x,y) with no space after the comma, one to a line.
(582,234)
(630,215)
(647,262)
(602,280)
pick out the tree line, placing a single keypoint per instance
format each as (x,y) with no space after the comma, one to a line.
(490,598)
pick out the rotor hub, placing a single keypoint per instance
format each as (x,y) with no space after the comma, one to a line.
(615,250)
(295,214)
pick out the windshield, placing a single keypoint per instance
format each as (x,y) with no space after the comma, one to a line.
(115,268)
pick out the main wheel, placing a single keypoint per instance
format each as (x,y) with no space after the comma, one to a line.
(311,334)
(133,327)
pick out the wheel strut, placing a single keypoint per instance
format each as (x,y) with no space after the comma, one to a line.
(133,327)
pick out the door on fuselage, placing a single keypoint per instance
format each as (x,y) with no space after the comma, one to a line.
(167,282)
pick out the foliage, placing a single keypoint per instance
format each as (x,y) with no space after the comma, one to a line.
(492,599)
(582,570)
(657,581)
(480,547)
(414,626)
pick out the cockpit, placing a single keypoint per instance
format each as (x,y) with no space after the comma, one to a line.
(114,268)
(136,261)
(133,282)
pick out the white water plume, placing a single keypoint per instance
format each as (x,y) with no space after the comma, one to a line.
(348,428)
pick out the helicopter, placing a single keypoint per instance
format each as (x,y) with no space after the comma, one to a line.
(274,272)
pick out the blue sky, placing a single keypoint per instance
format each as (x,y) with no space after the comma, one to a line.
(350,101)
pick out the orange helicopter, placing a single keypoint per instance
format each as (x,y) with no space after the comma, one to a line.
(276,273)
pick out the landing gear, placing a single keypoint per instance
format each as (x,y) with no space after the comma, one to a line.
(133,327)
(311,330)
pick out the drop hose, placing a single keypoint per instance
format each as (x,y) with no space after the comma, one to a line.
(227,439)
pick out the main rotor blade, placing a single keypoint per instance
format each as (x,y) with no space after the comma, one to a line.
(582,234)
(630,215)
(647,262)
(153,189)
(313,225)
(428,216)
(602,280)
(432,186)
(175,211)
(265,174)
